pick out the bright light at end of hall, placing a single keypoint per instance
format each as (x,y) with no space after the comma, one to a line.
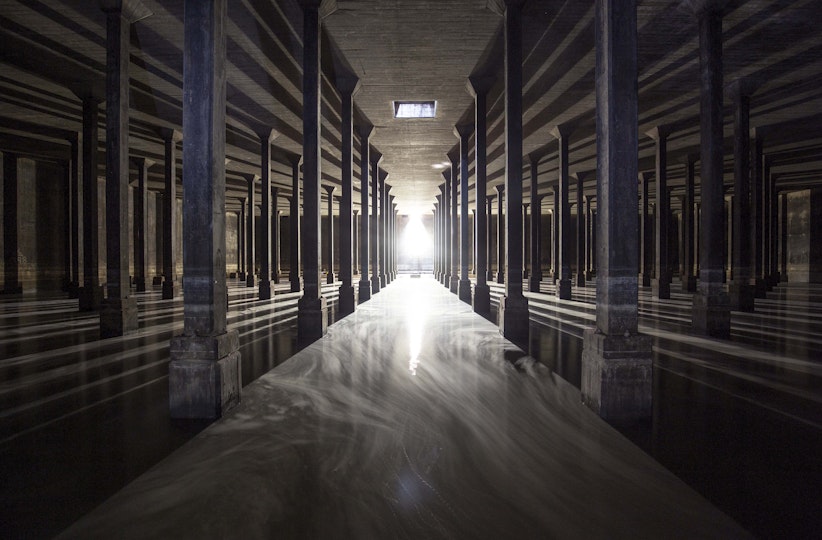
(415,239)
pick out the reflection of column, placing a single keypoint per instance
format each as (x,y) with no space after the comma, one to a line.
(204,372)
(11,282)
(500,236)
(91,294)
(249,233)
(294,225)
(616,360)
(513,314)
(464,132)
(170,140)
(711,311)
(330,254)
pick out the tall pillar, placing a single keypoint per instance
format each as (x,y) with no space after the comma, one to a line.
(589,238)
(488,234)
(646,230)
(500,235)
(463,133)
(140,229)
(376,157)
(91,294)
(383,225)
(11,264)
(453,157)
(513,306)
(275,235)
(170,140)
(250,244)
(563,220)
(329,190)
(711,311)
(616,360)
(347,86)
(118,314)
(294,225)
(536,226)
(392,254)
(580,178)
(555,236)
(473,246)
(264,292)
(740,290)
(757,159)
(74,211)
(436,254)
(773,209)
(312,315)
(525,239)
(444,255)
(783,236)
(447,229)
(688,234)
(241,240)
(661,285)
(364,290)
(204,373)
(355,238)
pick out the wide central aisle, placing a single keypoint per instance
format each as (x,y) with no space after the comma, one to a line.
(412,418)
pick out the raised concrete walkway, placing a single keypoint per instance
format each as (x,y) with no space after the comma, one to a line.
(412,418)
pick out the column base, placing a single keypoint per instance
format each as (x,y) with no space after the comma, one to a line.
(617,375)
(464,291)
(646,280)
(383,281)
(346,301)
(689,284)
(534,283)
(265,290)
(275,277)
(241,276)
(489,277)
(168,290)
(157,281)
(140,284)
(250,280)
(741,296)
(296,284)
(312,319)
(454,285)
(90,298)
(329,280)
(12,289)
(482,299)
(589,275)
(711,314)
(446,280)
(375,285)
(73,290)
(580,279)
(564,289)
(364,291)
(204,375)
(661,289)
(513,320)
(118,316)
(500,277)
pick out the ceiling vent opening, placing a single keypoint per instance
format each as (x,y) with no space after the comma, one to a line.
(415,109)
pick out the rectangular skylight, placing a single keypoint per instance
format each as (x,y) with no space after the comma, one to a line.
(415,109)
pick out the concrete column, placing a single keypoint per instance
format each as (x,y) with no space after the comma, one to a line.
(473,245)
(347,86)
(463,133)
(266,137)
(728,237)
(170,140)
(250,243)
(773,209)
(374,222)
(513,315)
(118,314)
(454,201)
(757,159)
(740,290)
(661,285)
(241,240)
(536,226)
(646,230)
(525,240)
(563,220)
(275,235)
(204,372)
(312,315)
(688,223)
(355,239)
(74,212)
(783,236)
(589,238)
(392,253)
(436,254)
(140,228)
(490,276)
(446,219)
(616,360)
(500,235)
(11,281)
(383,225)
(329,190)
(711,310)
(555,236)
(91,294)
(364,290)
(580,178)
(294,225)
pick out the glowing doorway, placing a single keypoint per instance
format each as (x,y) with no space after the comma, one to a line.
(415,247)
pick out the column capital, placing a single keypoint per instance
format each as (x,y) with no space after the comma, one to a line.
(376,156)
(742,87)
(464,130)
(480,85)
(660,132)
(500,188)
(533,158)
(645,177)
(347,84)
(143,162)
(702,7)
(454,156)
(131,10)
(251,178)
(170,135)
(383,176)
(688,159)
(442,189)
(562,130)
(490,198)
(294,159)
(365,130)
(447,175)
(355,212)
(388,189)
(329,189)
(266,134)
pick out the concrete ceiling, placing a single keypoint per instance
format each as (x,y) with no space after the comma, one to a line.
(51,51)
